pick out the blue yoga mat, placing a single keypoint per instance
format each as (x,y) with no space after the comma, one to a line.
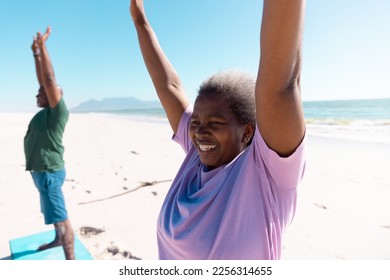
(25,248)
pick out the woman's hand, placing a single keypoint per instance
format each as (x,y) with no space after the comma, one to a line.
(137,11)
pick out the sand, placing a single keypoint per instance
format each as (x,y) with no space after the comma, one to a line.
(119,170)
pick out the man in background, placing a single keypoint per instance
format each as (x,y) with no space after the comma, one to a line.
(44,149)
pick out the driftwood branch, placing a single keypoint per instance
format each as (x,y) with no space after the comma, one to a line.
(143,184)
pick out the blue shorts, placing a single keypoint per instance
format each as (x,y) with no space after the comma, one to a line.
(49,185)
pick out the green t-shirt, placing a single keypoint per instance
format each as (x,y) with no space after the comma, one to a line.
(43,146)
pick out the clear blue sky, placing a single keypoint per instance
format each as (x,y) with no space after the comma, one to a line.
(95,51)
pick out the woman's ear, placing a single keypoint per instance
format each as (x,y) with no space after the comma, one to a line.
(249,131)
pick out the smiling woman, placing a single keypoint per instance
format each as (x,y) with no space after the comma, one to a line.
(224,117)
(235,193)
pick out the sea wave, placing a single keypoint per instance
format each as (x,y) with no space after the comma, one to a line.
(368,130)
(375,131)
(348,122)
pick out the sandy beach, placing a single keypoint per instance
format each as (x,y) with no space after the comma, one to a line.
(119,170)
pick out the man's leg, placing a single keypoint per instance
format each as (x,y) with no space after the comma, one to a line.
(55,243)
(53,207)
(66,237)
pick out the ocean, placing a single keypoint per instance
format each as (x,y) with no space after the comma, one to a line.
(364,120)
(348,111)
(360,120)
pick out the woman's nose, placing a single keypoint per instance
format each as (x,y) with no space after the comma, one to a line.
(201,130)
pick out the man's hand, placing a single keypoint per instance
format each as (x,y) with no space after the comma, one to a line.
(42,38)
(34,46)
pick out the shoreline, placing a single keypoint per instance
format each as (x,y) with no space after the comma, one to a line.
(342,210)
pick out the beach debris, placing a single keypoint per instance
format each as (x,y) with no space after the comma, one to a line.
(146,184)
(88,231)
(143,184)
(114,250)
(386,226)
(134,153)
(87,191)
(154,193)
(72,181)
(320,206)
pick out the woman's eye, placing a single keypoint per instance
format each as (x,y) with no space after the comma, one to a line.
(195,123)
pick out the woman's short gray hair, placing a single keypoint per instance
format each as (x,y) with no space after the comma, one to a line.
(237,88)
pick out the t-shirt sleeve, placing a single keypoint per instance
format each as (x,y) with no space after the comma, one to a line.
(181,136)
(286,172)
(58,115)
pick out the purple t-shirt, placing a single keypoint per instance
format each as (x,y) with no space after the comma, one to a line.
(237,211)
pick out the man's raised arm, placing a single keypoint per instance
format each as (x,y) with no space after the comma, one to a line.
(53,91)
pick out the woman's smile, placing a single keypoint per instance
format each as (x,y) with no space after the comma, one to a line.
(215,131)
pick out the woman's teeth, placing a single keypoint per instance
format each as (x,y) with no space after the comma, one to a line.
(205,148)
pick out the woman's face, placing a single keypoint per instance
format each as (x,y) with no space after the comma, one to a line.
(216,132)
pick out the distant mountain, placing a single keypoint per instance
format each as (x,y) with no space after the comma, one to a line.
(115,104)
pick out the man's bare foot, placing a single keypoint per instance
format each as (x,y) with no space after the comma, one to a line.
(46,246)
